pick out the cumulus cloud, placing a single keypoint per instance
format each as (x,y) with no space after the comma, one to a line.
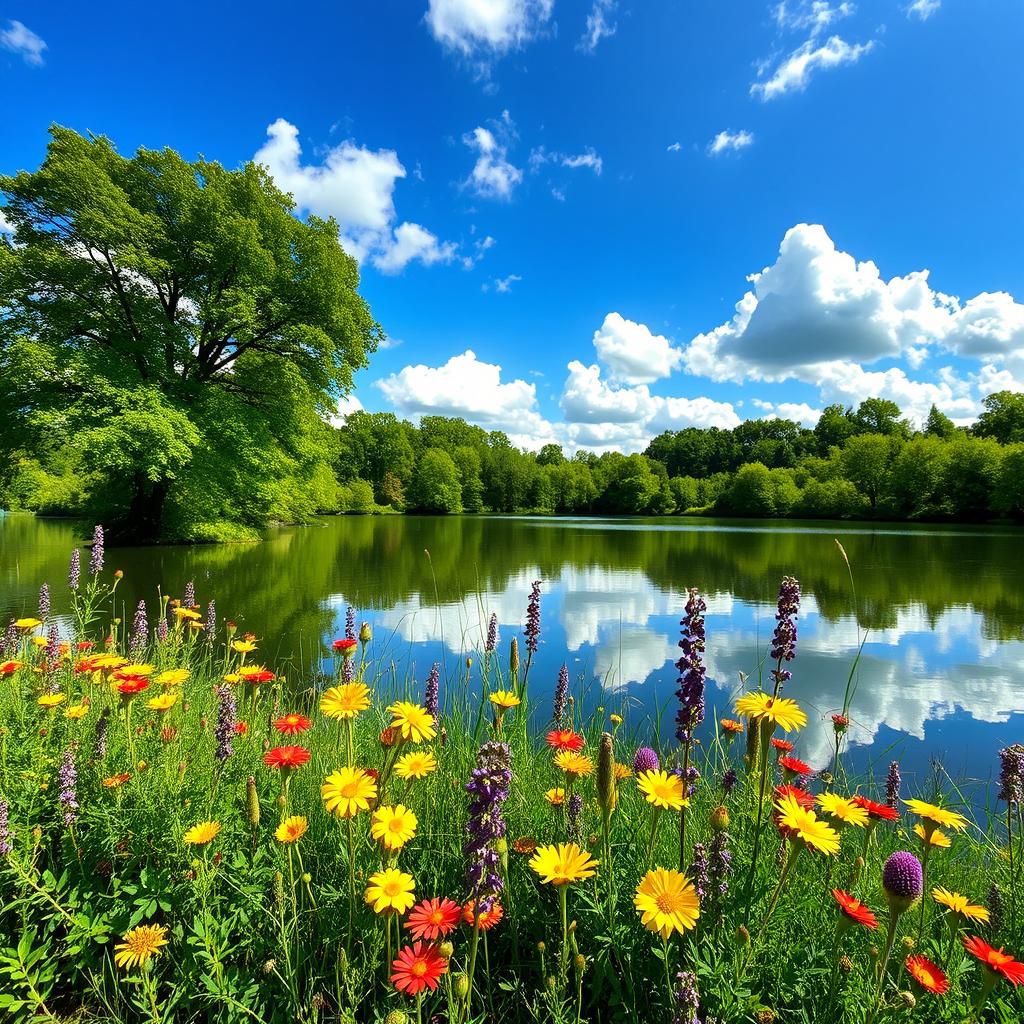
(923,9)
(599,25)
(346,406)
(816,15)
(794,71)
(20,39)
(726,141)
(355,186)
(632,353)
(6,227)
(504,284)
(490,27)
(493,176)
(799,412)
(464,386)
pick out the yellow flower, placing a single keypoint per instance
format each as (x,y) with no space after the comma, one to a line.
(505,699)
(51,700)
(667,902)
(139,944)
(390,890)
(232,678)
(960,905)
(622,771)
(201,834)
(555,797)
(393,827)
(662,789)
(248,671)
(615,719)
(136,670)
(164,702)
(187,613)
(843,809)
(348,791)
(936,838)
(803,824)
(934,815)
(291,830)
(27,625)
(775,710)
(345,701)
(243,646)
(574,764)
(172,676)
(77,711)
(39,641)
(562,864)
(415,765)
(106,662)
(414,723)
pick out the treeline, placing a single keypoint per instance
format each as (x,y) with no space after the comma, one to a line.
(855,463)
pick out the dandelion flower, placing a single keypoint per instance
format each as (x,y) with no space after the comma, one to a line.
(291,830)
(139,944)
(243,646)
(555,797)
(565,739)
(415,765)
(390,890)
(803,824)
(393,827)
(663,789)
(164,702)
(926,974)
(417,968)
(563,864)
(995,961)
(574,764)
(27,625)
(621,771)
(961,906)
(486,919)
(348,791)
(848,812)
(345,700)
(433,919)
(292,724)
(775,710)
(203,833)
(667,902)
(413,722)
(853,910)
(504,699)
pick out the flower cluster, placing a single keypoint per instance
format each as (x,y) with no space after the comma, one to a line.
(488,788)
(690,665)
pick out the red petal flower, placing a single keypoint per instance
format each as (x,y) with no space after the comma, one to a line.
(854,909)
(926,974)
(292,724)
(488,918)
(432,919)
(286,757)
(995,959)
(418,967)
(782,745)
(882,812)
(794,766)
(132,684)
(344,646)
(565,739)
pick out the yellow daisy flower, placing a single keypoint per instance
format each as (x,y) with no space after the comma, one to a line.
(803,824)
(843,810)
(201,834)
(51,700)
(960,905)
(936,838)
(505,699)
(776,710)
(662,789)
(393,827)
(622,771)
(563,864)
(38,641)
(164,702)
(415,765)
(555,797)
(390,890)
(171,677)
(136,669)
(345,701)
(26,625)
(667,902)
(574,764)
(186,614)
(291,830)
(243,646)
(934,815)
(77,711)
(139,944)
(414,723)
(348,791)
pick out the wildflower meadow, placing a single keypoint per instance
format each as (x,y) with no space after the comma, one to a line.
(189,833)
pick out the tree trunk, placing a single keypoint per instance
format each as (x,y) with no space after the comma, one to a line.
(144,521)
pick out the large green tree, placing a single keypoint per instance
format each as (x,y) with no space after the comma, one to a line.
(181,332)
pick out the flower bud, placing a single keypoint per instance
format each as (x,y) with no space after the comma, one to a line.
(720,818)
(306,878)
(909,999)
(252,802)
(397,1017)
(365,633)
(908,942)
(742,936)
(606,775)
(845,964)
(580,963)
(461,986)
(541,946)
(447,950)
(513,658)
(268,966)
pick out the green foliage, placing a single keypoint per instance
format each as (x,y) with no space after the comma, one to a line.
(1003,417)
(436,486)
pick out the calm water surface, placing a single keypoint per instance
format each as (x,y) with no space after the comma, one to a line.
(941,677)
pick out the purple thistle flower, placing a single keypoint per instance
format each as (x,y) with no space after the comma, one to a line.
(75,569)
(492,634)
(189,597)
(575,829)
(691,669)
(431,690)
(226,719)
(1011,774)
(687,999)
(5,833)
(903,880)
(211,621)
(892,786)
(350,623)
(44,601)
(784,638)
(645,760)
(532,630)
(699,870)
(729,780)
(67,778)
(96,554)
(9,641)
(140,631)
(102,725)
(488,789)
(561,695)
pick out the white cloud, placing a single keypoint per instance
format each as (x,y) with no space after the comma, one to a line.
(20,39)
(799,412)
(816,15)
(674,148)
(588,158)
(355,186)
(465,386)
(589,399)
(480,247)
(6,227)
(493,176)
(923,9)
(794,72)
(632,353)
(599,25)
(504,284)
(727,141)
(472,27)
(346,406)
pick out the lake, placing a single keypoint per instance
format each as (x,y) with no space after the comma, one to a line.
(941,678)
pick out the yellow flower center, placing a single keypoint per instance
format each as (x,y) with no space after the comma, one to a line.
(350,790)
(395,824)
(419,968)
(666,902)
(392,888)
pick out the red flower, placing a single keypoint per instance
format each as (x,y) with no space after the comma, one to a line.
(9,667)
(131,685)
(488,918)
(263,676)
(286,757)
(926,974)
(793,766)
(418,967)
(854,909)
(84,645)
(882,812)
(801,796)
(292,724)
(345,646)
(784,746)
(241,728)
(432,919)
(565,739)
(995,960)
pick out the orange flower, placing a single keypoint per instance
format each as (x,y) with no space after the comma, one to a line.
(877,812)
(783,746)
(292,724)
(417,968)
(525,844)
(132,685)
(926,974)
(487,919)
(113,781)
(241,728)
(345,647)
(995,960)
(731,726)
(565,739)
(854,910)
(432,919)
(286,757)
(793,766)
(801,796)
(9,667)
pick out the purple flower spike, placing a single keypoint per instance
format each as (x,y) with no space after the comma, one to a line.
(5,833)
(488,788)
(784,637)
(96,554)
(67,779)
(1011,774)
(892,786)
(44,601)
(561,696)
(430,692)
(691,669)
(350,623)
(645,760)
(492,635)
(532,630)
(226,718)
(903,880)
(75,569)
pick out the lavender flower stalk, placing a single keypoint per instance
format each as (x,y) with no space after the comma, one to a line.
(6,846)
(189,598)
(1011,775)
(699,870)
(162,630)
(561,696)
(350,623)
(488,788)
(532,630)
(44,601)
(52,649)
(96,554)
(9,641)
(729,781)
(892,786)
(687,999)
(211,621)
(75,570)
(575,814)
(67,778)
(102,726)
(140,631)
(691,670)
(491,644)
(784,638)
(226,720)
(431,690)
(719,870)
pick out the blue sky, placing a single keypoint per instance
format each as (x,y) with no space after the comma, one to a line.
(560,205)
